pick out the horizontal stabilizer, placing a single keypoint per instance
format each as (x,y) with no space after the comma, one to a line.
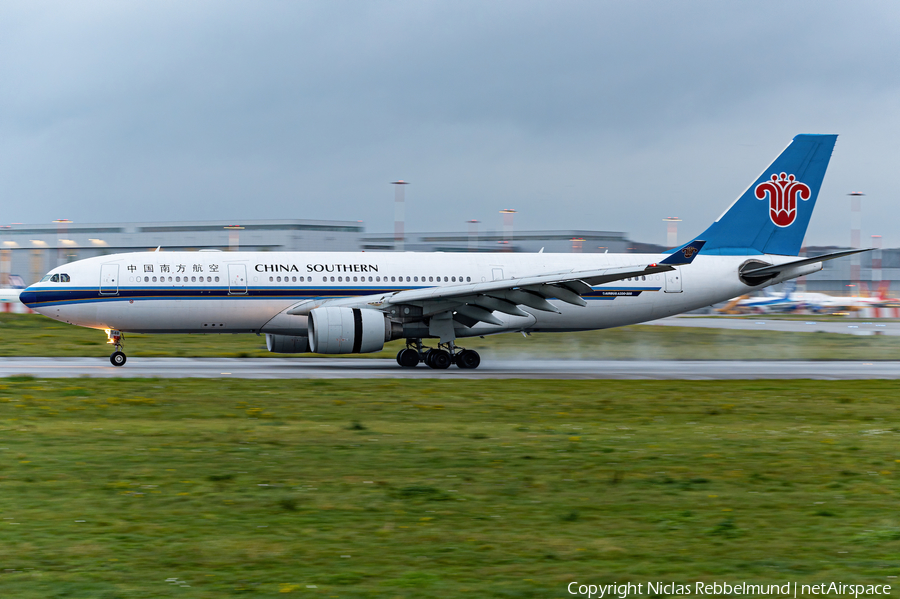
(778,268)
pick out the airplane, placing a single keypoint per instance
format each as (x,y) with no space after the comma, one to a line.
(354,302)
(822,302)
(771,302)
(9,301)
(792,301)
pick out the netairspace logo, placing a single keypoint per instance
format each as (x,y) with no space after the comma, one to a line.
(790,589)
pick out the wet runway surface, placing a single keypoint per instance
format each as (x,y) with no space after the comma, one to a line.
(848,326)
(355,368)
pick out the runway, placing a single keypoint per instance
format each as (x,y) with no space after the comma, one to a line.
(848,326)
(355,368)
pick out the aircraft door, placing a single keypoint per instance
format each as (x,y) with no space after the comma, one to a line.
(673,281)
(109,279)
(237,279)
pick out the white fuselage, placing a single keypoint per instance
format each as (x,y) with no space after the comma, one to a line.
(252,292)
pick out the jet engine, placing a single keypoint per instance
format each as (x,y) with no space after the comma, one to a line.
(287,344)
(347,330)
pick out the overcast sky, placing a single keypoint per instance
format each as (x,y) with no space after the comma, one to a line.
(579,115)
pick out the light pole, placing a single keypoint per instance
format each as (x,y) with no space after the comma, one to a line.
(876,262)
(672,230)
(508,214)
(473,235)
(234,237)
(855,225)
(399,206)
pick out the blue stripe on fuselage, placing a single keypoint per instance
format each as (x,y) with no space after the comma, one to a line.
(56,296)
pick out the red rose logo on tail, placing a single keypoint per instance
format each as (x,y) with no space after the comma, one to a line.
(783,192)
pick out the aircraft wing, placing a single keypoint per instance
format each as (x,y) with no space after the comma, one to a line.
(471,303)
(474,302)
(778,268)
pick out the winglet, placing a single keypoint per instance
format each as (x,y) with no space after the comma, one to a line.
(686,254)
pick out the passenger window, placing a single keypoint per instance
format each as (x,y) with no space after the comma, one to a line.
(154,279)
(393,279)
(354,279)
(370,279)
(293,279)
(468,279)
(194,279)
(430,279)
(332,279)
(453,279)
(146,279)
(446,280)
(54,279)
(324,279)
(416,279)
(271,279)
(177,279)
(340,279)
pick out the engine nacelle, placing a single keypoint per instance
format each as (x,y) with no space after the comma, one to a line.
(347,330)
(287,344)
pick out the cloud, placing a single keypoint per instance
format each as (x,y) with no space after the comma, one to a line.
(601,115)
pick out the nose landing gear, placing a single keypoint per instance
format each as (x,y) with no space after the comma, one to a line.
(117,358)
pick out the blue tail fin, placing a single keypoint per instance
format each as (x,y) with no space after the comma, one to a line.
(772,215)
(789,288)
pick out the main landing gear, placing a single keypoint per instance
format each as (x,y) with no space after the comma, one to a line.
(439,358)
(117,358)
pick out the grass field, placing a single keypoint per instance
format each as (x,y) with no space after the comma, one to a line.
(158,488)
(33,335)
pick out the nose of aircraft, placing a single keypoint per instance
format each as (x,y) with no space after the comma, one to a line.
(28,297)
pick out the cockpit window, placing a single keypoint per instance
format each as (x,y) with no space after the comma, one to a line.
(57,278)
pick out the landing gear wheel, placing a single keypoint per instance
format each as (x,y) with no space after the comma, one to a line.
(426,357)
(439,359)
(468,358)
(117,358)
(408,358)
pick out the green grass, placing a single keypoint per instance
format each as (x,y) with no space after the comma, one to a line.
(133,488)
(30,335)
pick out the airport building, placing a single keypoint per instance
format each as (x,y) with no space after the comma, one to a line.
(29,251)
(560,242)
